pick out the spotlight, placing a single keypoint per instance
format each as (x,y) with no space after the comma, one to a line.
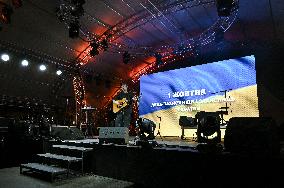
(25,63)
(104,44)
(208,127)
(146,129)
(42,67)
(5,57)
(77,10)
(126,57)
(224,7)
(74,30)
(158,59)
(58,72)
(94,51)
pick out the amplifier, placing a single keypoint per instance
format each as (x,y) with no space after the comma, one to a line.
(118,135)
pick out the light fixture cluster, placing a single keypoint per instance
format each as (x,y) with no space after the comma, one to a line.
(70,12)
(25,63)
(96,46)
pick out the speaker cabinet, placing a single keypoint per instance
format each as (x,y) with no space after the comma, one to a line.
(185,121)
(252,135)
(66,133)
(118,135)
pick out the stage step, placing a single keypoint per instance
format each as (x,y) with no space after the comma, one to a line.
(60,157)
(44,168)
(69,159)
(83,149)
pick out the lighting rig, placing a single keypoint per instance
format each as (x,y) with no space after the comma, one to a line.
(97,46)
(167,53)
(69,12)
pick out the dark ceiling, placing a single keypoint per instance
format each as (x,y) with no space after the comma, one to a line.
(141,27)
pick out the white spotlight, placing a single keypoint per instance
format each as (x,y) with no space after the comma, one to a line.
(5,57)
(25,63)
(42,67)
(58,72)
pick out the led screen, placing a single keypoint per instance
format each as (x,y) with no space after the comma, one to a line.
(165,96)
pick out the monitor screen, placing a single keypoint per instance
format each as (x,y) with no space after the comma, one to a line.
(227,87)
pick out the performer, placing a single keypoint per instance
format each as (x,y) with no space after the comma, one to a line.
(122,106)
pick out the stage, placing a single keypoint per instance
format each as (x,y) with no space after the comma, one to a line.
(173,162)
(162,141)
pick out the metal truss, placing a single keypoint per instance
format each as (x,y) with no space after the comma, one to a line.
(145,16)
(79,92)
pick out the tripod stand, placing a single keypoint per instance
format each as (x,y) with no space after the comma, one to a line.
(159,133)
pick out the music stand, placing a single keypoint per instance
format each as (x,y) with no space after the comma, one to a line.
(67,98)
(159,133)
(222,113)
(87,111)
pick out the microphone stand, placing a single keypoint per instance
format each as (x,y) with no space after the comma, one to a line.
(159,133)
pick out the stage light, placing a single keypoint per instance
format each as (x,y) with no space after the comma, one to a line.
(42,67)
(74,30)
(104,44)
(208,127)
(25,63)
(5,57)
(126,57)
(158,59)
(146,129)
(94,51)
(77,10)
(224,7)
(58,72)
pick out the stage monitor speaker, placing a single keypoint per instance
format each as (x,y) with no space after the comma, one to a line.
(66,133)
(252,135)
(117,135)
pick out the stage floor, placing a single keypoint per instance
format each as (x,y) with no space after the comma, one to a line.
(11,178)
(165,141)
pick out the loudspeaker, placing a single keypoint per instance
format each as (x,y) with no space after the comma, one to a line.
(66,133)
(118,135)
(252,135)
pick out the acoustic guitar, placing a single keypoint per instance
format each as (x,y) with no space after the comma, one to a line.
(119,104)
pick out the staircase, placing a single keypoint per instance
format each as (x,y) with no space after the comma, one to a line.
(61,160)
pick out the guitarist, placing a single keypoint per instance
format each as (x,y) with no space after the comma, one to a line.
(123,116)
